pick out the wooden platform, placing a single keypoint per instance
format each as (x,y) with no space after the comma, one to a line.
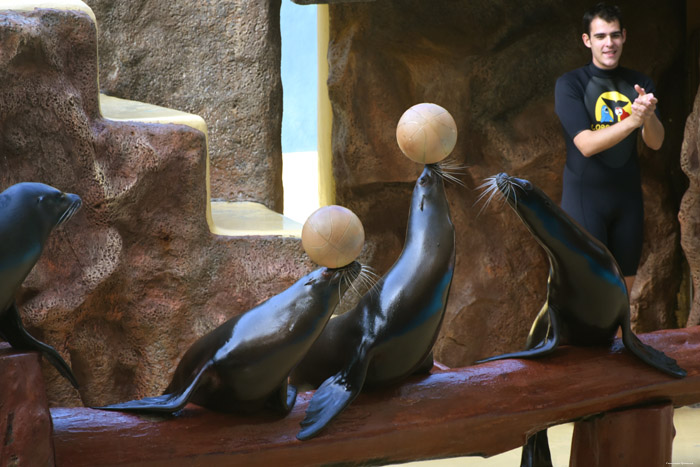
(479,410)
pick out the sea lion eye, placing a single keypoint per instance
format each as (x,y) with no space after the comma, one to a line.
(527,185)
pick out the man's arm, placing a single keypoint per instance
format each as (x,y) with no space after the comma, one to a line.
(591,142)
(643,115)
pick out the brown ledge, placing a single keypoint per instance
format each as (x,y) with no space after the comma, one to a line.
(478,410)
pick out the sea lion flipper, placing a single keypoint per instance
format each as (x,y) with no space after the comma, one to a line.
(547,319)
(650,355)
(169,402)
(329,400)
(166,403)
(13,331)
(334,395)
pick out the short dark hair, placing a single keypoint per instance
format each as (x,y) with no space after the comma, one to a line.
(607,13)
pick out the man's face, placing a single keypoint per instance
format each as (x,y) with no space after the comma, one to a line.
(605,42)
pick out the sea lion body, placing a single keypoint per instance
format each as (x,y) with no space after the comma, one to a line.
(587,299)
(390,333)
(243,365)
(28,214)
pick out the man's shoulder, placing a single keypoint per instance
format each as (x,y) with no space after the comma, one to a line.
(575,74)
(633,75)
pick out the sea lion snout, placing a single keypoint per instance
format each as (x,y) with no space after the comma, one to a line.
(72,204)
(426,176)
(335,275)
(53,207)
(505,183)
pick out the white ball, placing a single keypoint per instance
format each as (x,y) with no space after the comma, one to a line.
(333,236)
(426,133)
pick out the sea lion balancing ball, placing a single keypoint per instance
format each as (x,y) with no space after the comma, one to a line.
(426,133)
(333,236)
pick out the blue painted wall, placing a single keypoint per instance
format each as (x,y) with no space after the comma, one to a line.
(299,77)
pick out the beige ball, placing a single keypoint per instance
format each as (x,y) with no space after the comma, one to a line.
(333,236)
(426,133)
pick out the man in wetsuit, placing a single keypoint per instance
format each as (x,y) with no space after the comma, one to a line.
(601,107)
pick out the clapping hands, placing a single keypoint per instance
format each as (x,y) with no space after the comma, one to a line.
(644,105)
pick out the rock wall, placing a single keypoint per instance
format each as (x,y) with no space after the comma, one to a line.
(689,215)
(126,286)
(493,66)
(219,60)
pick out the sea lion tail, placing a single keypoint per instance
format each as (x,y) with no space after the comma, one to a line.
(546,332)
(650,355)
(13,331)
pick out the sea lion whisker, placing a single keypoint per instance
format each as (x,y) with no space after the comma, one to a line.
(489,193)
(451,178)
(351,284)
(67,214)
(448,171)
(370,276)
(369,279)
(364,283)
(449,164)
(369,270)
(488,182)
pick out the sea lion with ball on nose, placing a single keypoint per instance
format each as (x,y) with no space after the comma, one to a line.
(28,214)
(390,333)
(587,300)
(243,365)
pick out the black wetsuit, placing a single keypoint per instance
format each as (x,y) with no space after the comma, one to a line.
(603,192)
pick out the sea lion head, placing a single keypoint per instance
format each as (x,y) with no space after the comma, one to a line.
(28,213)
(338,280)
(531,204)
(40,205)
(429,189)
(544,218)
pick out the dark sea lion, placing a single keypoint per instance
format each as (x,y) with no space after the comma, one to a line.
(390,333)
(28,214)
(243,365)
(587,299)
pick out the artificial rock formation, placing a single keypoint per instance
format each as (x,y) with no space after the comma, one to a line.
(135,277)
(689,215)
(493,67)
(220,60)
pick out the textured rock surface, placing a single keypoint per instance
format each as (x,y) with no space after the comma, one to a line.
(219,60)
(135,277)
(689,215)
(25,421)
(494,70)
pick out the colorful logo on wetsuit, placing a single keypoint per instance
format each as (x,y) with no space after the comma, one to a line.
(611,107)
